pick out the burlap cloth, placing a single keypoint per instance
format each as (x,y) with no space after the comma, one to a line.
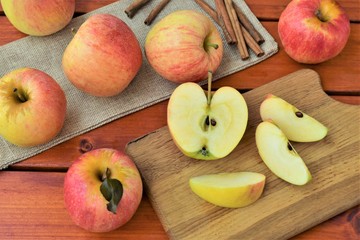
(86,112)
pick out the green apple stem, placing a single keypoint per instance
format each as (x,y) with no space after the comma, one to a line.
(19,95)
(209,87)
(112,190)
(214,45)
(73,31)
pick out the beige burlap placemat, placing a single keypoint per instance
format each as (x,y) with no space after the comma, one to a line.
(85,112)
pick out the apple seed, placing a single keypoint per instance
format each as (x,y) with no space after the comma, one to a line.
(289,146)
(299,114)
(213,122)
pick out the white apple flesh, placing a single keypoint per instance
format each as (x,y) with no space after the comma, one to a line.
(231,190)
(279,155)
(296,125)
(206,130)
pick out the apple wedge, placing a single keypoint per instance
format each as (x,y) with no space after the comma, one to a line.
(279,155)
(206,127)
(296,125)
(231,190)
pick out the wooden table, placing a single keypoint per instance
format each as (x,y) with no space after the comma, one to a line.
(31,192)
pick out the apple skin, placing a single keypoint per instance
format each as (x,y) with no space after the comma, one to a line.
(39,18)
(103,57)
(83,199)
(306,38)
(231,190)
(37,120)
(176,47)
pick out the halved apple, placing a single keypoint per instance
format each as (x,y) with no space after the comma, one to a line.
(232,190)
(208,126)
(295,124)
(279,155)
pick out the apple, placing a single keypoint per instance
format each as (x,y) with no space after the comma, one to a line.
(206,126)
(231,190)
(313,31)
(39,18)
(296,125)
(103,57)
(33,107)
(102,190)
(184,46)
(279,155)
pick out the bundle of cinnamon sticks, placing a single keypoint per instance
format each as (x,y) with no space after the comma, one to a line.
(236,26)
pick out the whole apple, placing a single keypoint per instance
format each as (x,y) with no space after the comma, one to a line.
(313,31)
(184,46)
(103,57)
(102,190)
(33,107)
(39,18)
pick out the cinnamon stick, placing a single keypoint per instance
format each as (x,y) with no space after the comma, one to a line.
(238,33)
(248,25)
(213,14)
(224,17)
(155,12)
(250,41)
(134,7)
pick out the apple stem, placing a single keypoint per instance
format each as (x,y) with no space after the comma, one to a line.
(209,87)
(214,45)
(19,96)
(73,31)
(112,190)
(320,16)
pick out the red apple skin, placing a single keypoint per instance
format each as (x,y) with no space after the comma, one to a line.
(39,17)
(103,57)
(83,199)
(306,38)
(175,47)
(41,117)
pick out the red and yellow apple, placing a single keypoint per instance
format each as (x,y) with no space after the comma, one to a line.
(103,57)
(102,190)
(184,46)
(33,107)
(232,190)
(313,31)
(206,126)
(39,18)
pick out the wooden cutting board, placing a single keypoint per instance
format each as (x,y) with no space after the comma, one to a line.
(283,210)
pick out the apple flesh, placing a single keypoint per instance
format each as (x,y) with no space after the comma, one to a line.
(206,128)
(33,107)
(313,31)
(39,18)
(85,202)
(103,57)
(231,190)
(279,155)
(184,46)
(296,125)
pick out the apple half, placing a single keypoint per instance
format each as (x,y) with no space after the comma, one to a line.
(279,155)
(206,127)
(296,125)
(232,190)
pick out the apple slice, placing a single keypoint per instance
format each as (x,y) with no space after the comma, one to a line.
(279,155)
(232,190)
(295,124)
(208,126)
